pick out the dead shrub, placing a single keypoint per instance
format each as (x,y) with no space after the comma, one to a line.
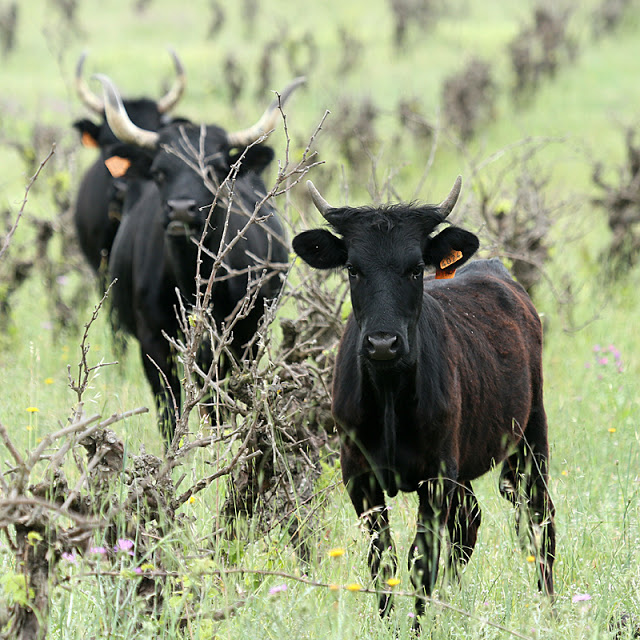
(353,128)
(8,27)
(350,51)
(421,13)
(620,199)
(607,16)
(540,48)
(515,214)
(218,17)
(468,98)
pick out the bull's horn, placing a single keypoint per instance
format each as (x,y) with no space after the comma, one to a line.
(446,206)
(87,96)
(321,204)
(170,99)
(267,122)
(119,120)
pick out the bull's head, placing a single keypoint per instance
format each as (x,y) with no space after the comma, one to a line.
(178,157)
(385,251)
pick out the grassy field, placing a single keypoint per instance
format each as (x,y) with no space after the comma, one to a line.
(592,403)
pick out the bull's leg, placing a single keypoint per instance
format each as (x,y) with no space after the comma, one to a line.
(524,482)
(368,500)
(463,524)
(540,507)
(158,365)
(433,511)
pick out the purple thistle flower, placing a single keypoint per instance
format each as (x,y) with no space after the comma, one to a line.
(581,597)
(70,557)
(603,361)
(138,569)
(277,589)
(596,348)
(100,550)
(125,545)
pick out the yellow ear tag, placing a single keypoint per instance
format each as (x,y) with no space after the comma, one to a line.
(446,271)
(117,166)
(88,141)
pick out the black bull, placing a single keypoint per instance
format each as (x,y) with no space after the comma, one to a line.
(436,381)
(98,208)
(164,216)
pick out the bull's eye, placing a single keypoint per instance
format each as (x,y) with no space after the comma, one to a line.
(158,176)
(417,271)
(353,272)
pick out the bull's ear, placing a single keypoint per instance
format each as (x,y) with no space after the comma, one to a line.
(89,132)
(450,248)
(125,160)
(320,249)
(256,158)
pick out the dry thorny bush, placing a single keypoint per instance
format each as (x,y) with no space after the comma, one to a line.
(539,48)
(8,27)
(608,15)
(468,98)
(517,217)
(270,432)
(621,201)
(34,254)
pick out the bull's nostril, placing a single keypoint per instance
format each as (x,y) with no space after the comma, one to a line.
(382,346)
(183,210)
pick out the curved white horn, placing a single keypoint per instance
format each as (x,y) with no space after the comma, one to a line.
(119,120)
(321,204)
(170,99)
(446,206)
(268,120)
(90,99)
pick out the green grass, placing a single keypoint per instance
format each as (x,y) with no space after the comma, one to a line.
(594,471)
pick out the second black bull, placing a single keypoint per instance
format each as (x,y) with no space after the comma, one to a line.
(174,175)
(100,197)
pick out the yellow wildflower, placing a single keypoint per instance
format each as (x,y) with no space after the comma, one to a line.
(33,409)
(393,582)
(336,552)
(531,558)
(192,499)
(334,587)
(612,429)
(354,586)
(48,380)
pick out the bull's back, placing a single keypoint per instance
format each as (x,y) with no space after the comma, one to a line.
(494,338)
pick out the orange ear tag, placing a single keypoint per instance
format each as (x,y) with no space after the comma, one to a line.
(88,141)
(117,166)
(445,271)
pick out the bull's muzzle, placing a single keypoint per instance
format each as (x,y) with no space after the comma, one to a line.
(382,346)
(183,214)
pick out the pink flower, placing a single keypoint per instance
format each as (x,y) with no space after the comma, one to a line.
(100,550)
(277,589)
(581,597)
(603,361)
(70,557)
(125,545)
(596,348)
